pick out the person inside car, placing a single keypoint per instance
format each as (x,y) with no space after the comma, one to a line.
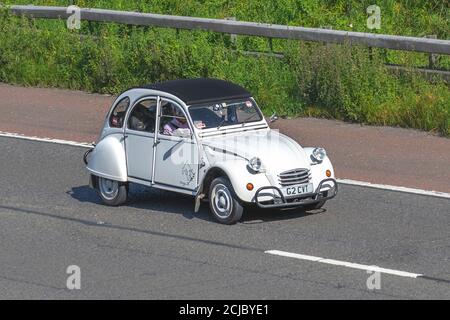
(175,124)
(178,121)
(137,118)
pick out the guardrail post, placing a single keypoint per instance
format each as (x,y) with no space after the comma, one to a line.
(432,57)
(326,43)
(233,37)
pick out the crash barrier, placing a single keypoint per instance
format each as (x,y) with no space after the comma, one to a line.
(231,26)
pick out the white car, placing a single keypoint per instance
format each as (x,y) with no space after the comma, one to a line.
(206,138)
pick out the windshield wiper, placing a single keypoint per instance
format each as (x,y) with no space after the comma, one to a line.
(221,123)
(251,117)
(242,123)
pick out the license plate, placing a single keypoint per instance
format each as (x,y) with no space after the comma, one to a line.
(298,189)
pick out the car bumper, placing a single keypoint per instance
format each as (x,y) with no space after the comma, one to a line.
(280,201)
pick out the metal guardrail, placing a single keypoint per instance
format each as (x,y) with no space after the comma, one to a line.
(427,45)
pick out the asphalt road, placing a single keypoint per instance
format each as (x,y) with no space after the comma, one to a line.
(156,248)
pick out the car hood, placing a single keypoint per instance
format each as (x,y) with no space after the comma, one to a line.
(277,151)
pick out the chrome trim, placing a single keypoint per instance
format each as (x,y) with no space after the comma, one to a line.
(294,176)
(280,201)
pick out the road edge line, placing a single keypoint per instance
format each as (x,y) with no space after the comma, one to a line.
(394,188)
(340,263)
(49,140)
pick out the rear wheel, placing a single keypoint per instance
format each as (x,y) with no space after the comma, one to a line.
(224,204)
(112,192)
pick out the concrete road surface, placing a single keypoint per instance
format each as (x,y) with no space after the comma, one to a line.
(155,247)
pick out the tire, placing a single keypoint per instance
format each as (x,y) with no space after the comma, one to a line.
(112,193)
(314,206)
(223,202)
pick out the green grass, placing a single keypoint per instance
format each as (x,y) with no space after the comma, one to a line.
(336,81)
(405,17)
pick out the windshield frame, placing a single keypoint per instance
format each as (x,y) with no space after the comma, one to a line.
(260,121)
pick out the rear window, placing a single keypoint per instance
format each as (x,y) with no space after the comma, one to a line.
(118,114)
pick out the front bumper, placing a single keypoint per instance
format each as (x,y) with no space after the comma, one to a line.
(280,201)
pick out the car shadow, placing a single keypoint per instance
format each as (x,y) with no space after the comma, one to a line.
(84,194)
(254,215)
(142,197)
(145,198)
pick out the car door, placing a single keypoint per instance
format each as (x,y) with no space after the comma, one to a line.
(176,157)
(140,138)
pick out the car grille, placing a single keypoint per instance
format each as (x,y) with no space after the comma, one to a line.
(295,176)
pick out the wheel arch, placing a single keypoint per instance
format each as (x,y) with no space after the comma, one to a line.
(211,174)
(108,159)
(238,174)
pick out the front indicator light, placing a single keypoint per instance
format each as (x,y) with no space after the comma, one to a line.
(328,173)
(250,186)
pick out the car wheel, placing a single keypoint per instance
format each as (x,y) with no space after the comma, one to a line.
(223,202)
(314,206)
(112,192)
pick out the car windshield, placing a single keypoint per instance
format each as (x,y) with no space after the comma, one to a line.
(221,114)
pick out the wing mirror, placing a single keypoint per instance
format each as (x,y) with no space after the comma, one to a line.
(273,118)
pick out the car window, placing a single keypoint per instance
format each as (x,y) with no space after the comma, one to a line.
(223,114)
(172,118)
(143,116)
(118,115)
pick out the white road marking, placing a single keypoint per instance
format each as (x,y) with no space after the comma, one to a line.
(50,140)
(394,188)
(343,263)
(343,181)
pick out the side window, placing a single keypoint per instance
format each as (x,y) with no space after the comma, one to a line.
(172,118)
(118,115)
(143,116)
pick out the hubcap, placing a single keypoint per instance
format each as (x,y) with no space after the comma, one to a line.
(222,201)
(108,188)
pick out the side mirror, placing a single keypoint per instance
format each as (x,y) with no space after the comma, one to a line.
(182,133)
(273,118)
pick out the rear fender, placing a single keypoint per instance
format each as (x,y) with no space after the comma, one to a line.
(108,158)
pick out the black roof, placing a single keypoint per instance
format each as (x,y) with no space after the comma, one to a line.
(201,90)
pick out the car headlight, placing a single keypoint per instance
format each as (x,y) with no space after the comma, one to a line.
(255,164)
(319,154)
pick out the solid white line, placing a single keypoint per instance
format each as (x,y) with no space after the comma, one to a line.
(343,181)
(394,188)
(50,140)
(343,263)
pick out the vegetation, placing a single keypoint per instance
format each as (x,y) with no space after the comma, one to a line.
(338,81)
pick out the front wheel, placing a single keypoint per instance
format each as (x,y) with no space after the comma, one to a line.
(112,193)
(223,202)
